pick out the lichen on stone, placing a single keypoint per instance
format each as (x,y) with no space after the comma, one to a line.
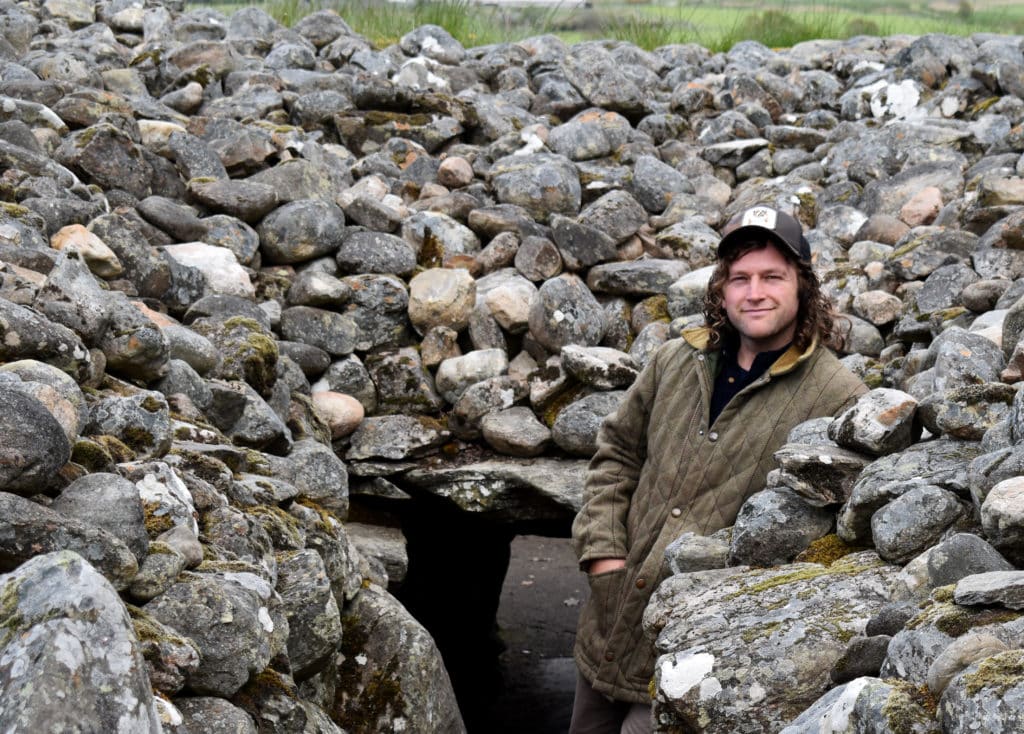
(997,674)
(826,550)
(908,708)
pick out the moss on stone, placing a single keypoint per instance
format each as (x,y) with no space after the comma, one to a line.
(365,693)
(154,55)
(15,211)
(138,437)
(807,573)
(982,105)
(559,402)
(151,633)
(384,117)
(327,521)
(955,620)
(656,308)
(874,380)
(826,550)
(908,707)
(755,633)
(10,621)
(431,253)
(153,404)
(262,687)
(156,522)
(907,248)
(997,674)
(282,525)
(92,455)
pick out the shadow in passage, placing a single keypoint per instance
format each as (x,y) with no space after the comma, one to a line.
(540,604)
(502,610)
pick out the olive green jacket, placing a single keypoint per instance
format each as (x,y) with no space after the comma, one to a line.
(661,471)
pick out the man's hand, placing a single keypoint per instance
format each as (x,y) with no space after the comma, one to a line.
(603,565)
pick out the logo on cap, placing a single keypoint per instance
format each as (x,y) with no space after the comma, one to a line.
(759,216)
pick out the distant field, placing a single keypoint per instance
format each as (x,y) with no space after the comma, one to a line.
(715,24)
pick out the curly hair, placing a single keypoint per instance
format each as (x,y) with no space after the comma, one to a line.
(816,317)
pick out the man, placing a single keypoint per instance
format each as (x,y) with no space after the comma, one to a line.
(693,438)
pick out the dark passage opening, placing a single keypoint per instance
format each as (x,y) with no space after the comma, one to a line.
(502,609)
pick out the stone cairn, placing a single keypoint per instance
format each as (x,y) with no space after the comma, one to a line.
(250,273)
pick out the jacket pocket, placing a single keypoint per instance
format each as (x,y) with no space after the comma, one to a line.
(605,599)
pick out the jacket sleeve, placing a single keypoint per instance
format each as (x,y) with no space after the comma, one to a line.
(599,530)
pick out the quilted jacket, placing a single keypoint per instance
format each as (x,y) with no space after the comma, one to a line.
(660,470)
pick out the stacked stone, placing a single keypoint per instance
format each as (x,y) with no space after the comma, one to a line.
(250,272)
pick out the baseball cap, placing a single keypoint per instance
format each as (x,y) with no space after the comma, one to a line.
(761,221)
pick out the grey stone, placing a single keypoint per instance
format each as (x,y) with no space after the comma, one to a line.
(821,474)
(59,603)
(35,445)
(349,376)
(880,704)
(232,647)
(394,437)
(436,236)
(992,587)
(403,385)
(335,333)
(375,252)
(379,309)
(973,699)
(575,427)
(517,489)
(538,259)
(422,696)
(580,243)
(941,463)
(958,655)
(215,715)
(967,412)
(692,552)
(110,502)
(314,621)
(913,522)
(881,422)
(30,530)
(480,399)
(773,526)
(700,620)
(1002,517)
(543,184)
(963,555)
(157,572)
(636,279)
(456,374)
(863,657)
(515,431)
(599,367)
(27,335)
(913,650)
(565,312)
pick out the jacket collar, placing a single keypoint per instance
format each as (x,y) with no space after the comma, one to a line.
(699,338)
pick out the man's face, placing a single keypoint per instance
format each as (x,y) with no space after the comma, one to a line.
(761,300)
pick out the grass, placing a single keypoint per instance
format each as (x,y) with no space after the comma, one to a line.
(650,24)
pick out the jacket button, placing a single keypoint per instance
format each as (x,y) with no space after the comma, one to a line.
(609,656)
(713,436)
(676,512)
(700,357)
(700,432)
(641,583)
